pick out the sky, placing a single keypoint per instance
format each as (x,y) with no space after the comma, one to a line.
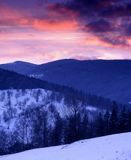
(40,31)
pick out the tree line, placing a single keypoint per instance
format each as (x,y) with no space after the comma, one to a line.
(34,131)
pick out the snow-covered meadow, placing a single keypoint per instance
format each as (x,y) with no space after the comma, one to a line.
(114,147)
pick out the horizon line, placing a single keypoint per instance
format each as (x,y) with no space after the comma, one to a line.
(97,59)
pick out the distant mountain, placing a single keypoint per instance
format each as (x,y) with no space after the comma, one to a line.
(107,78)
(19,67)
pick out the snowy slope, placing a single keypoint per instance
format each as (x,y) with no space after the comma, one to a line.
(14,102)
(114,147)
(20,100)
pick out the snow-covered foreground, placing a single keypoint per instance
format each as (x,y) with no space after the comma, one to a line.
(114,147)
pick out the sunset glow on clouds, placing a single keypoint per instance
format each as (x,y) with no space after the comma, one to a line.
(40,31)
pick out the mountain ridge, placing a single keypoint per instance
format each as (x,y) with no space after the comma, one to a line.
(106,78)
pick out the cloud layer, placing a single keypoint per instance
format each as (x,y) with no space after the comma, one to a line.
(53,29)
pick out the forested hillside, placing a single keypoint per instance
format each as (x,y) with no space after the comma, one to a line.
(32,118)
